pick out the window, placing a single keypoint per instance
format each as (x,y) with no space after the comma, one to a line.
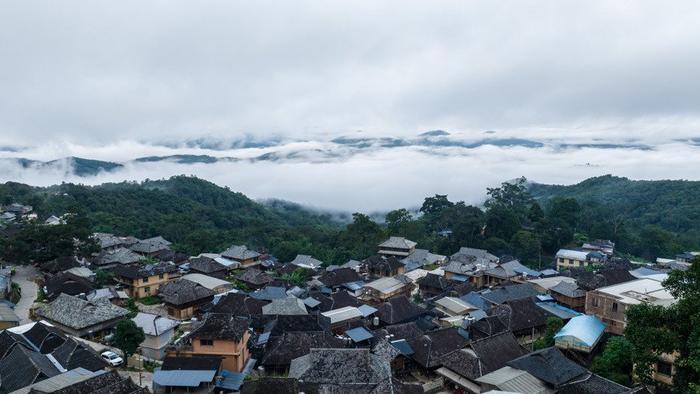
(595,302)
(613,307)
(161,276)
(664,368)
(147,289)
(206,342)
(145,280)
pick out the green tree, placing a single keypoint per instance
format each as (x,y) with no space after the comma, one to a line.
(615,363)
(436,204)
(554,324)
(654,330)
(128,336)
(526,246)
(564,209)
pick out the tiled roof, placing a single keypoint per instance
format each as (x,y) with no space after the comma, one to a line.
(73,355)
(398,243)
(282,350)
(398,310)
(550,366)
(135,272)
(339,276)
(503,294)
(78,314)
(153,324)
(239,252)
(431,347)
(183,291)
(340,366)
(285,306)
(22,367)
(220,326)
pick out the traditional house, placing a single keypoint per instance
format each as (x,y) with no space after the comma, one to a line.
(431,348)
(80,317)
(280,351)
(339,277)
(66,283)
(465,366)
(73,354)
(432,285)
(379,265)
(610,303)
(221,335)
(285,306)
(397,246)
(144,281)
(241,254)
(239,304)
(338,320)
(345,370)
(382,289)
(254,278)
(151,246)
(215,284)
(22,367)
(183,298)
(523,317)
(120,256)
(158,332)
(110,241)
(207,266)
(568,258)
(570,295)
(397,310)
(187,374)
(307,262)
(422,257)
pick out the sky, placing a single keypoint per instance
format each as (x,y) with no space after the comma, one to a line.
(115,80)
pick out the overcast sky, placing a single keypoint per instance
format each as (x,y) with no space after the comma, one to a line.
(96,72)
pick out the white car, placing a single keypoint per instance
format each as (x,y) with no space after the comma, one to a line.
(112,358)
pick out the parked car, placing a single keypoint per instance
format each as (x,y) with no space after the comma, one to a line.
(112,358)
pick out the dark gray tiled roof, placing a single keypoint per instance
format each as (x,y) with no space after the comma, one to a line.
(135,271)
(283,349)
(73,355)
(22,367)
(77,313)
(239,252)
(339,276)
(122,256)
(221,326)
(183,291)
(107,383)
(568,289)
(550,366)
(431,347)
(340,366)
(502,294)
(398,310)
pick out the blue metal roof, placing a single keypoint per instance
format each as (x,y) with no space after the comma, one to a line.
(559,311)
(269,293)
(311,302)
(475,299)
(586,328)
(231,380)
(459,278)
(354,286)
(366,310)
(359,334)
(263,338)
(182,378)
(403,347)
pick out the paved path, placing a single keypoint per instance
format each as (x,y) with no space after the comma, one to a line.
(24,277)
(146,378)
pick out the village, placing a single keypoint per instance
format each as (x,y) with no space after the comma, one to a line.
(403,320)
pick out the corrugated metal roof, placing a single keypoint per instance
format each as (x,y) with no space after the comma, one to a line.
(359,334)
(586,328)
(182,378)
(367,310)
(515,380)
(342,314)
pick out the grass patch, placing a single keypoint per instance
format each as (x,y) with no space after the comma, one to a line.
(150,300)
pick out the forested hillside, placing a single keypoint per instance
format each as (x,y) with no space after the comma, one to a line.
(645,219)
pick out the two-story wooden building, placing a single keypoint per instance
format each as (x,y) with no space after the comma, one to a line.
(143,281)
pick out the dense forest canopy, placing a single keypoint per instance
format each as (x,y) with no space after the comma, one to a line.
(531,222)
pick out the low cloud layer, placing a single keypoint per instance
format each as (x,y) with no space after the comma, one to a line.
(382,178)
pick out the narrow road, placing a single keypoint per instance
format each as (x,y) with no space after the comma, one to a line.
(24,277)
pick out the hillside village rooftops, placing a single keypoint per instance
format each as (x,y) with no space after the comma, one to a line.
(120,255)
(135,272)
(514,380)
(239,252)
(306,261)
(285,306)
(639,291)
(183,291)
(151,245)
(454,306)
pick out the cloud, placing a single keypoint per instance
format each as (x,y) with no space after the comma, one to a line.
(101,72)
(388,178)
